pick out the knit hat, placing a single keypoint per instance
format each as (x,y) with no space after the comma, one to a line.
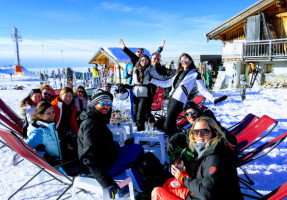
(191,104)
(100,95)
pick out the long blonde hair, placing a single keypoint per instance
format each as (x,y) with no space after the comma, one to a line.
(217,134)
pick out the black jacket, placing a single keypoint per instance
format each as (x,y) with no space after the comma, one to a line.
(96,148)
(216,175)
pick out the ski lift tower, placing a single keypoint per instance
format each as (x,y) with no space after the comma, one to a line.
(17,38)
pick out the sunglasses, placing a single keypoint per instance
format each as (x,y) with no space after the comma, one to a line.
(191,113)
(140,51)
(203,132)
(157,59)
(144,60)
(103,103)
(47,94)
(80,91)
(185,60)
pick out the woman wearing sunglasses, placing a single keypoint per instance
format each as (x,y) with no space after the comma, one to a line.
(142,74)
(80,101)
(182,83)
(214,175)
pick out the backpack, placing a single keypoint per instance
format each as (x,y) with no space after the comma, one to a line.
(152,172)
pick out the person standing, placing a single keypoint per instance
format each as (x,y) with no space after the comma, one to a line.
(97,151)
(128,72)
(95,75)
(182,83)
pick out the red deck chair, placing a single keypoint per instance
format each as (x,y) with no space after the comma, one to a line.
(10,113)
(279,193)
(253,155)
(24,150)
(157,104)
(245,123)
(249,135)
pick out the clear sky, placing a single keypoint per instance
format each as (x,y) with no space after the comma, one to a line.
(68,33)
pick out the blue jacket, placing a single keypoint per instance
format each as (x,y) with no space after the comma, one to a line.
(127,76)
(42,133)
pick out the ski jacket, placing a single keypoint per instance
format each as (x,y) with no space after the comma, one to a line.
(95,72)
(215,176)
(127,76)
(142,89)
(43,133)
(180,90)
(96,148)
(58,108)
(28,111)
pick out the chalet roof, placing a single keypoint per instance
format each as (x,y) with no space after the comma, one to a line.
(242,16)
(114,54)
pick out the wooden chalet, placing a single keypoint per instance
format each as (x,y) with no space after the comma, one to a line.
(255,39)
(114,58)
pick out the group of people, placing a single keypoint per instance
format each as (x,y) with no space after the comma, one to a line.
(71,127)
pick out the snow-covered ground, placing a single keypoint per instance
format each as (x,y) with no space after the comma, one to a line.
(267,172)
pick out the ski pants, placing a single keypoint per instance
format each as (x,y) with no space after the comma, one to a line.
(140,111)
(127,155)
(174,108)
(132,104)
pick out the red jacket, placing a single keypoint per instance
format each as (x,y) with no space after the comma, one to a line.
(57,105)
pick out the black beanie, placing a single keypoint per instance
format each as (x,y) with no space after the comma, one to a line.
(191,104)
(100,95)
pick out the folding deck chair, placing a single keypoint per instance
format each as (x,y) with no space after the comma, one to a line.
(157,104)
(249,135)
(240,126)
(253,155)
(24,150)
(258,153)
(279,193)
(10,113)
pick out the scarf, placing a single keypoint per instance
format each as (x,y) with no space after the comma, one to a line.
(200,148)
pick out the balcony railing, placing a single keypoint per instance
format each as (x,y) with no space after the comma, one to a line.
(266,50)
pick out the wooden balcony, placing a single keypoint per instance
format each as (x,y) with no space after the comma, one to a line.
(265,50)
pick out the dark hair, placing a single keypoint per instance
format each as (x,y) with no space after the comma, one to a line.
(155,53)
(81,87)
(191,104)
(140,49)
(28,98)
(189,57)
(140,68)
(40,109)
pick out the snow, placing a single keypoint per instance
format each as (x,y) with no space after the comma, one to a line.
(268,172)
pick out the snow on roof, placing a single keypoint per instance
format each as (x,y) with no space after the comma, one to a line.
(116,54)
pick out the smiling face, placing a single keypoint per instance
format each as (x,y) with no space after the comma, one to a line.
(191,115)
(36,98)
(144,61)
(155,59)
(67,98)
(200,137)
(103,107)
(80,93)
(185,62)
(48,115)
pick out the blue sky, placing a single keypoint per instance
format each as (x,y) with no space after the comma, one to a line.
(58,33)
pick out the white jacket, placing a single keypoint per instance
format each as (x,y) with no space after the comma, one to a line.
(182,91)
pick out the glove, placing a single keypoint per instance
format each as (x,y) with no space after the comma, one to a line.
(217,100)
(113,190)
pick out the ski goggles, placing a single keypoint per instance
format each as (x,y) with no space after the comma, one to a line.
(191,113)
(104,103)
(203,132)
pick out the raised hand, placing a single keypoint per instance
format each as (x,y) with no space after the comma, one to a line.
(122,43)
